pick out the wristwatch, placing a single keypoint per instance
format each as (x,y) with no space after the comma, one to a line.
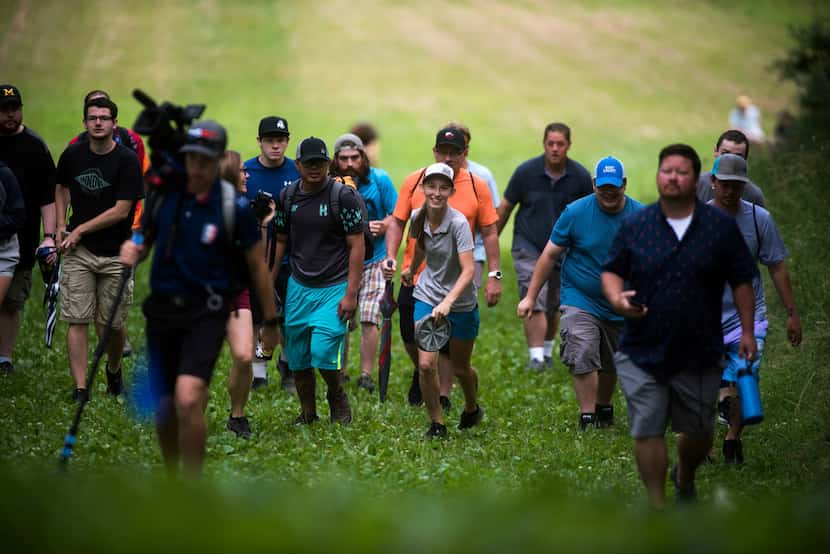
(495,274)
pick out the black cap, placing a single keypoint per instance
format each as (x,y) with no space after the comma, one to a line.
(312,148)
(448,135)
(10,94)
(273,125)
(206,137)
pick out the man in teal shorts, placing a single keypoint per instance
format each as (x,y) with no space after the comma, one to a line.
(321,224)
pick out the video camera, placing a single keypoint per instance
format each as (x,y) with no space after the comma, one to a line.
(261,204)
(166,127)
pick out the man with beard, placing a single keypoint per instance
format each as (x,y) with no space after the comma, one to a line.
(29,159)
(102,181)
(380,196)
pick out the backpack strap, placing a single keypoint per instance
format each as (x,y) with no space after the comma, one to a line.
(757,233)
(334,198)
(473,182)
(228,210)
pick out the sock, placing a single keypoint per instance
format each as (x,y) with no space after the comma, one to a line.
(537,353)
(5,359)
(260,369)
(549,344)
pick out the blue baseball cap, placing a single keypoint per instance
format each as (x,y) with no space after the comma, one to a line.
(609,171)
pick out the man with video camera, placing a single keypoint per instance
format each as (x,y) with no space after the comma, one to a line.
(268,173)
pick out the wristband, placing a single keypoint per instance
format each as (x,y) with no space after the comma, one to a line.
(497,275)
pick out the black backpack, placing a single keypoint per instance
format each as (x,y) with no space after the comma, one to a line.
(337,188)
(238,265)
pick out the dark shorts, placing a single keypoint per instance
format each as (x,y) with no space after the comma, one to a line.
(688,400)
(19,290)
(406,309)
(182,339)
(524,263)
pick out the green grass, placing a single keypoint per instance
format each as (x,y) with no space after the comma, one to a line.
(628,76)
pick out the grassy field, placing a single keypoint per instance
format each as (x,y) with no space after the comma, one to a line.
(628,76)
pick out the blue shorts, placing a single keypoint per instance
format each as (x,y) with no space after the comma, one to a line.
(314,335)
(734,362)
(464,324)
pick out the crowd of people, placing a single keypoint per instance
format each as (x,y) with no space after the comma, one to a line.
(273,252)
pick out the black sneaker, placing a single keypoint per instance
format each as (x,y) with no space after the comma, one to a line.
(414,396)
(682,496)
(365,382)
(436,431)
(304,419)
(259,383)
(586,420)
(80,395)
(6,368)
(604,416)
(446,405)
(115,382)
(471,419)
(548,361)
(733,451)
(240,426)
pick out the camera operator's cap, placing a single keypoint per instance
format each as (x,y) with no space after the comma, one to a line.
(206,137)
(273,125)
(312,148)
(440,169)
(347,142)
(10,94)
(448,135)
(609,171)
(730,167)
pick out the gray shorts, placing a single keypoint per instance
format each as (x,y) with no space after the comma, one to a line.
(688,400)
(588,342)
(9,256)
(18,291)
(523,263)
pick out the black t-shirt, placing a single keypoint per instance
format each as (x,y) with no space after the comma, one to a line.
(30,161)
(319,255)
(95,183)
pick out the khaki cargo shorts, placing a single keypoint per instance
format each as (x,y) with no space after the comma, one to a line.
(89,285)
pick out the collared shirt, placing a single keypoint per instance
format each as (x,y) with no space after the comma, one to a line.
(443,267)
(199,256)
(681,282)
(541,199)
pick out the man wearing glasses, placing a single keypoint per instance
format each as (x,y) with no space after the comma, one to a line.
(101,180)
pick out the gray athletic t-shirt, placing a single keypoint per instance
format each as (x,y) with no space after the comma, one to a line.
(752,192)
(767,247)
(443,268)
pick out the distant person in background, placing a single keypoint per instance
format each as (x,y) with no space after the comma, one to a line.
(380,196)
(12,217)
(371,141)
(239,331)
(766,246)
(479,256)
(746,117)
(542,187)
(271,171)
(730,142)
(665,273)
(590,327)
(132,140)
(29,158)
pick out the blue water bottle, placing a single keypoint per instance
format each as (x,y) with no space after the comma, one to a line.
(751,410)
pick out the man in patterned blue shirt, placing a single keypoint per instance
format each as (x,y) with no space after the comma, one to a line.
(665,274)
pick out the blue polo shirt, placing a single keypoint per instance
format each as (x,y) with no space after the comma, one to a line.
(380,197)
(269,179)
(682,284)
(200,253)
(541,200)
(587,231)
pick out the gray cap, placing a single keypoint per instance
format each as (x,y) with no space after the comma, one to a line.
(206,137)
(730,167)
(348,141)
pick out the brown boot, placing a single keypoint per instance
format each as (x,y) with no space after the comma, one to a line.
(306,381)
(336,395)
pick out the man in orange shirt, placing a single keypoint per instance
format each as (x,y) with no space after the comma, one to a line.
(472,198)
